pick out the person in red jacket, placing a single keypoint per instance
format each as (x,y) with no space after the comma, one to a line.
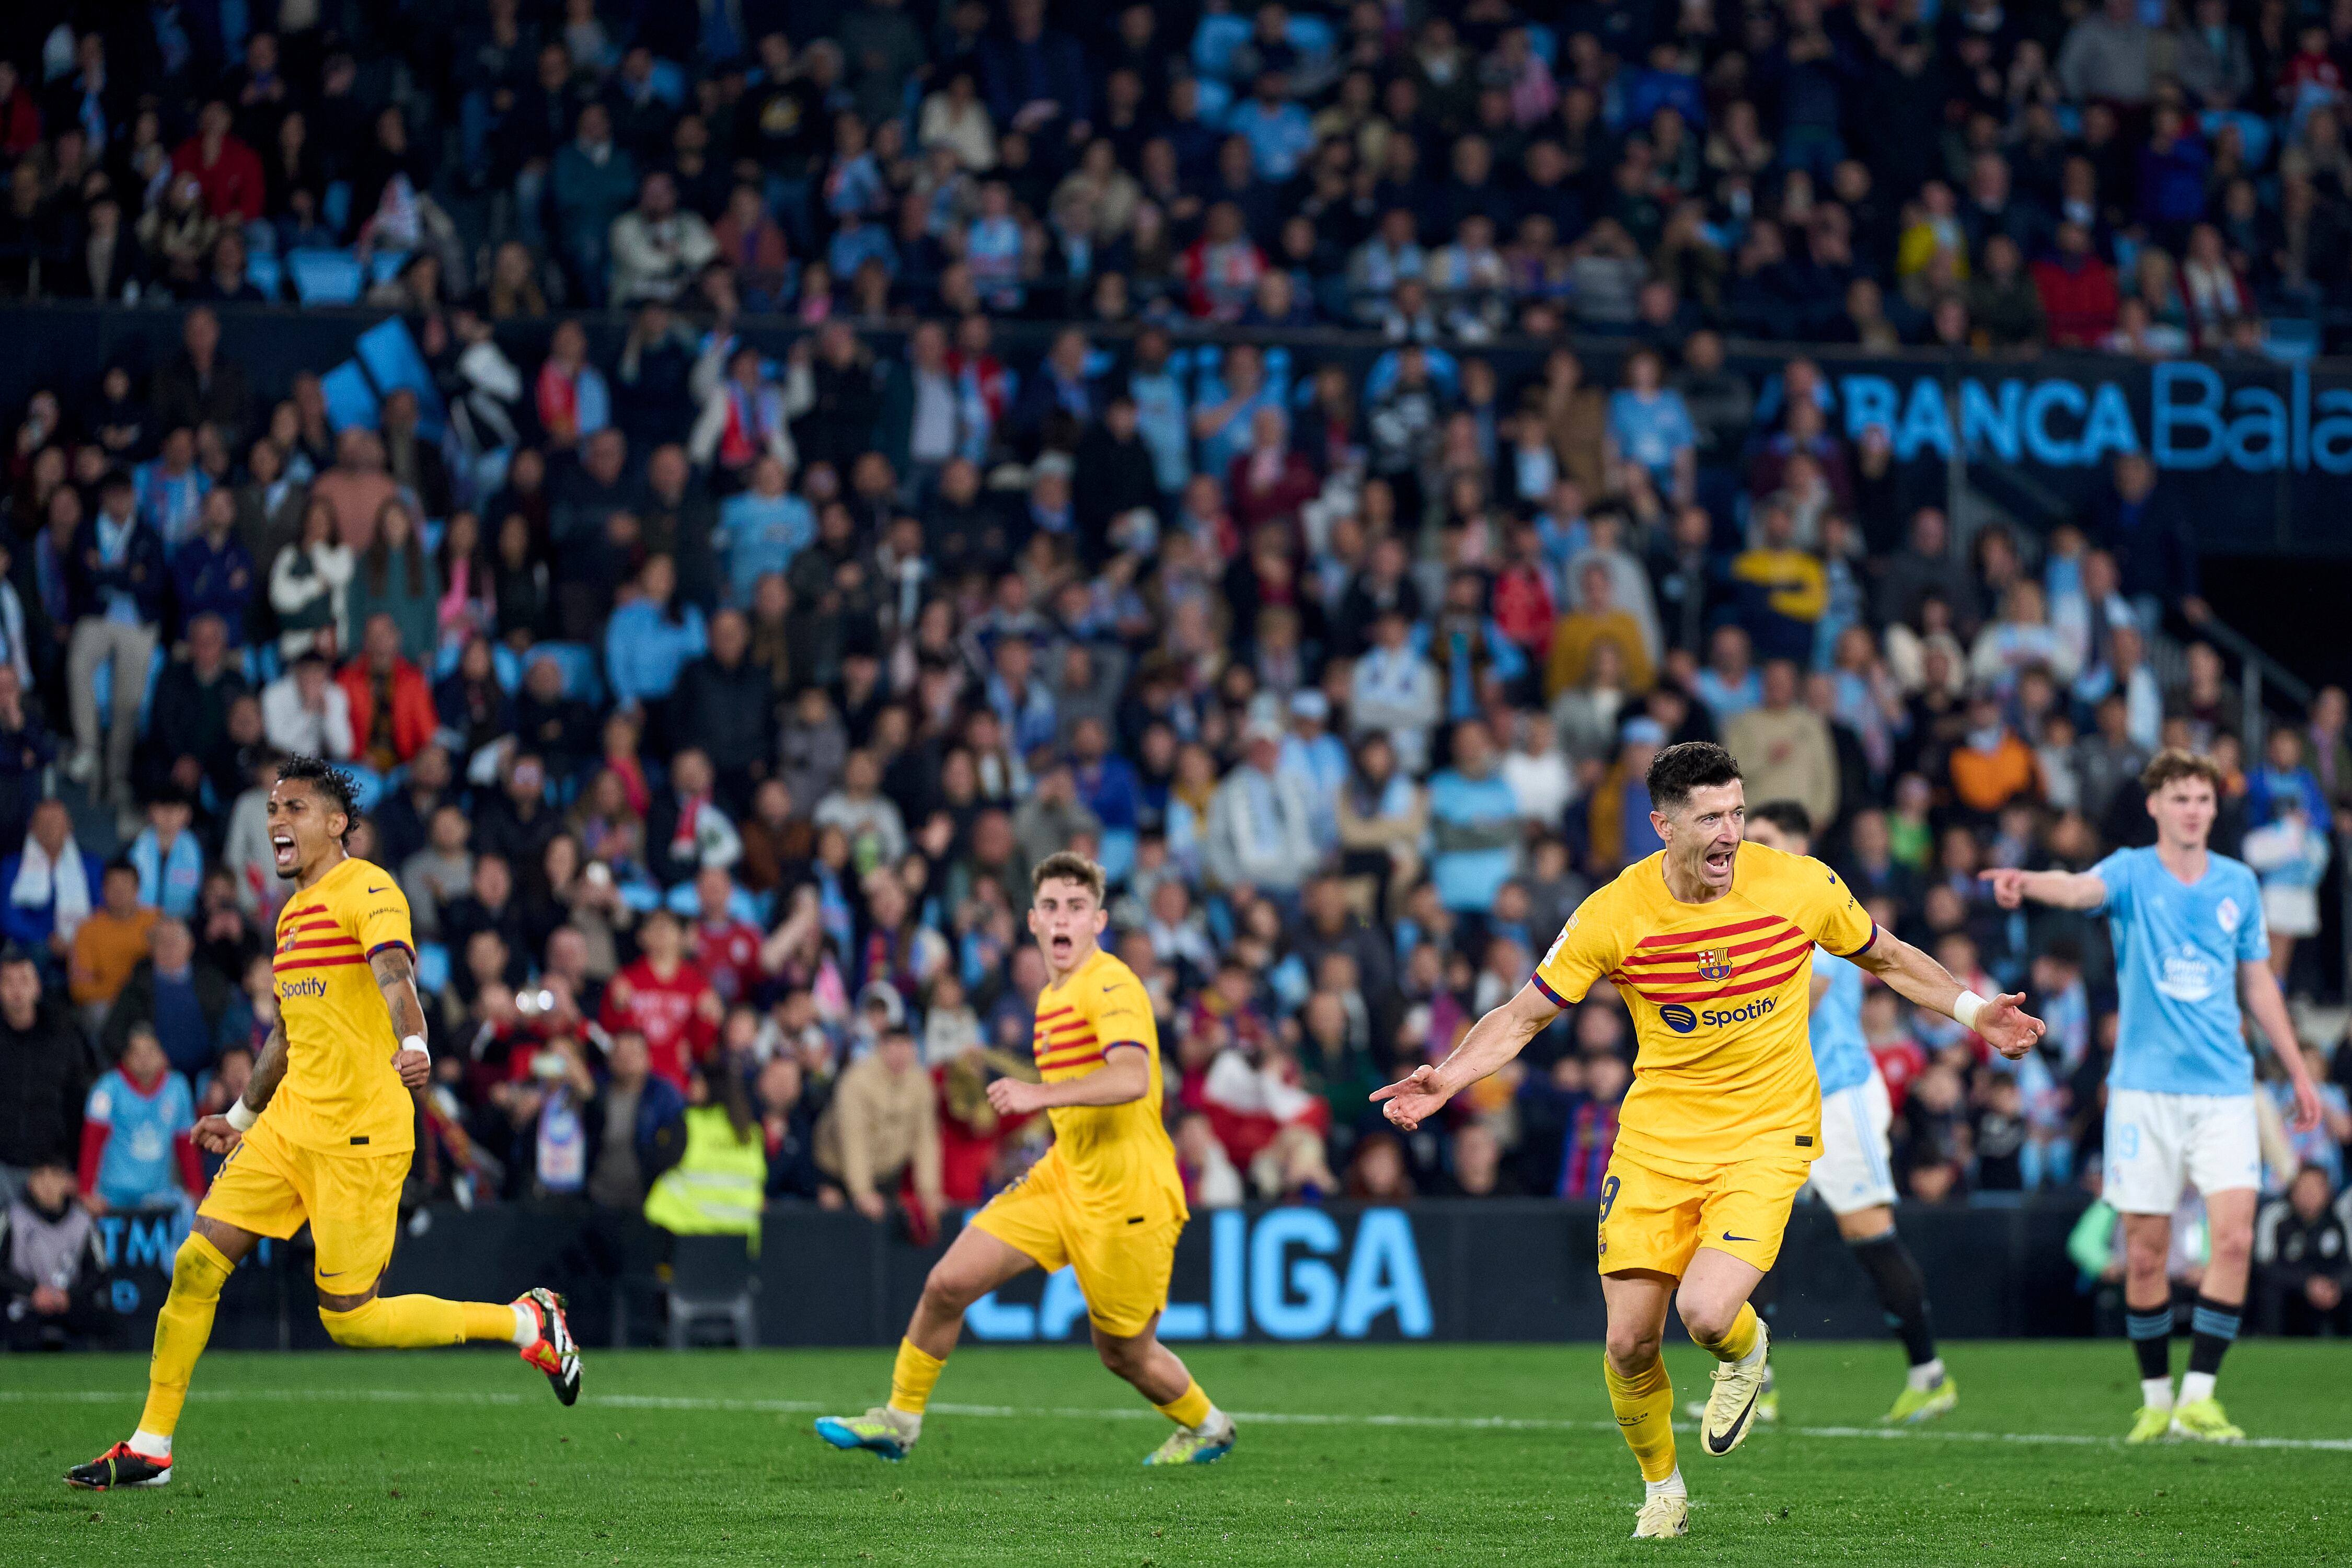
(2078,289)
(392,717)
(665,999)
(228,170)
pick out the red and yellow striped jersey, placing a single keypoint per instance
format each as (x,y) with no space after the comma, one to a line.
(1117,1161)
(1718,994)
(341,1091)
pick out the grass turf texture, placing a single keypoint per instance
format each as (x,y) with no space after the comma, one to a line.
(462,1457)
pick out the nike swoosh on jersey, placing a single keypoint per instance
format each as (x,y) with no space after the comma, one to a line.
(1729,1236)
(383,890)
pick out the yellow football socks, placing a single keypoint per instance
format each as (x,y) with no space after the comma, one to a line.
(416,1322)
(183,1325)
(1737,1341)
(1644,1403)
(1189,1408)
(911,1378)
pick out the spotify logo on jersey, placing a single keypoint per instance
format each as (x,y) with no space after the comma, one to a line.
(1678,1018)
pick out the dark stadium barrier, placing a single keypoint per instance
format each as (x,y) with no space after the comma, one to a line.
(1503,1270)
(2259,452)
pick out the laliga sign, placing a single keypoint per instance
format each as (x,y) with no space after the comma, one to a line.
(2196,420)
(1286,1275)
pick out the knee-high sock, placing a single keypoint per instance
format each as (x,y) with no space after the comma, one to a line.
(417,1322)
(1737,1339)
(2151,1332)
(1189,1408)
(2213,1327)
(198,1272)
(911,1377)
(1902,1291)
(1644,1403)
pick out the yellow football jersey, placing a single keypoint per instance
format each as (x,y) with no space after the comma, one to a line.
(341,1091)
(1117,1161)
(1718,994)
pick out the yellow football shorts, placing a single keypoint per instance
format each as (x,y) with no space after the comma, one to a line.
(270,1184)
(1655,1214)
(1122,1267)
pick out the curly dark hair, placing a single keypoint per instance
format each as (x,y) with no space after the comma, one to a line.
(329,782)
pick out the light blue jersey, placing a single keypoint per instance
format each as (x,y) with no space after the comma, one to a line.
(139,1166)
(1841,1057)
(2177,948)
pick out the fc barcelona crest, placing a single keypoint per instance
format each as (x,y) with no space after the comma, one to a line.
(1715,963)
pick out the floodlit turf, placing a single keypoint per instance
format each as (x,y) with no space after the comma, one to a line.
(1032,1457)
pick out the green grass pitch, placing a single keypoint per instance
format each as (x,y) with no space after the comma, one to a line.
(1422,1455)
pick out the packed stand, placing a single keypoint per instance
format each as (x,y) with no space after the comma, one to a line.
(2147,178)
(711,694)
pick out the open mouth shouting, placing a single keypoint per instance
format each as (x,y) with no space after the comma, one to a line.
(282,850)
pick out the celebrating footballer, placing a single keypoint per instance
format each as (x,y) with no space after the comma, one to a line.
(1709,941)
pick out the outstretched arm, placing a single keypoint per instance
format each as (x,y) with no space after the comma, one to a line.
(395,977)
(2261,989)
(1911,974)
(2060,889)
(1491,1041)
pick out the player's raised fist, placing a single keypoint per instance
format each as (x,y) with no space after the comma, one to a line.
(214,1135)
(2007,1027)
(1411,1101)
(2008,886)
(414,1068)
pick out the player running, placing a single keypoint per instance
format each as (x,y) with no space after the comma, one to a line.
(1709,943)
(322,1132)
(1106,1199)
(1853,1174)
(2186,926)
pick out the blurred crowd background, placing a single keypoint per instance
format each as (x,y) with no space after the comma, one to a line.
(826,457)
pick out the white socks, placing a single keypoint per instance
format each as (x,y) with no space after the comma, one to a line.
(1756,1353)
(1210,1422)
(525,1329)
(2195,1386)
(152,1444)
(2156,1393)
(1670,1487)
(1927,1374)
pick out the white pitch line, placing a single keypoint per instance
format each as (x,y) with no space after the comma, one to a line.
(1083,1413)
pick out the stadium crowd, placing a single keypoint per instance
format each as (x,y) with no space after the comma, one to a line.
(710,699)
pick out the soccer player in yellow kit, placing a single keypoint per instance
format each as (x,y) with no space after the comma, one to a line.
(1106,1199)
(323,1132)
(1710,944)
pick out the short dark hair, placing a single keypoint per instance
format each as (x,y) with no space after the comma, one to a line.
(2172,764)
(1068,866)
(328,781)
(1693,764)
(1788,816)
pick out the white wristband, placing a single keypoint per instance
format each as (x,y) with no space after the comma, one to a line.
(416,1043)
(1966,1008)
(241,1116)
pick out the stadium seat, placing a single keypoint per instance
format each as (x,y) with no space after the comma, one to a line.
(389,355)
(583,677)
(1213,45)
(266,272)
(711,1280)
(325,277)
(432,966)
(385,265)
(335,207)
(350,397)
